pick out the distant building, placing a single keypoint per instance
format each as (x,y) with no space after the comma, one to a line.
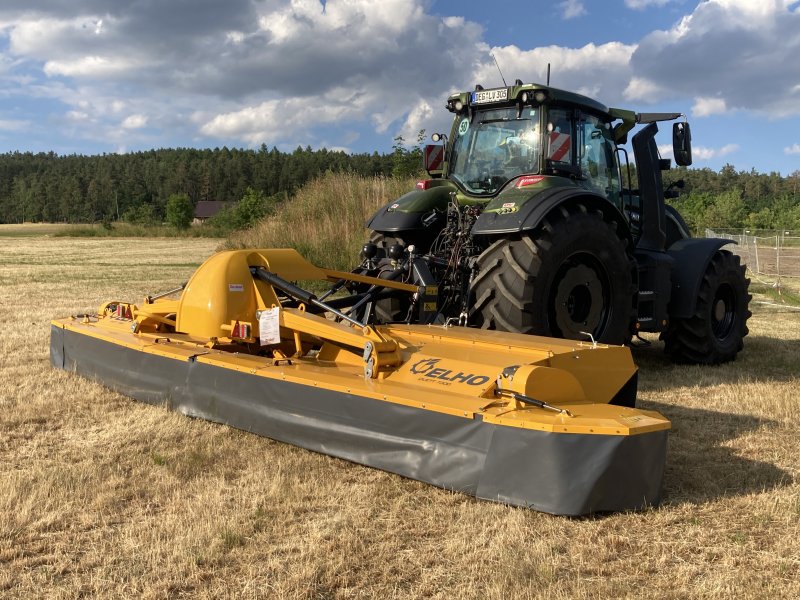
(206,209)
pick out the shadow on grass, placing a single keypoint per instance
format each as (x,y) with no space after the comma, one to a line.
(764,359)
(701,468)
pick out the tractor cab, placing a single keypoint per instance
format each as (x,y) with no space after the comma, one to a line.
(501,135)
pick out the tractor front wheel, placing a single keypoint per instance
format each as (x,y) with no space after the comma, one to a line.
(569,278)
(714,333)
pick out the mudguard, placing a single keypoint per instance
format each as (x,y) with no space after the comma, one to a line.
(691,261)
(406,213)
(529,214)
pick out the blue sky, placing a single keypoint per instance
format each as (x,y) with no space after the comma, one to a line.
(103,76)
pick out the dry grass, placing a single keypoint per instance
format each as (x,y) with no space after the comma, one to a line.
(36,229)
(102,496)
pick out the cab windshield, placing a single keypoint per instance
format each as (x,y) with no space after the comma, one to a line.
(496,146)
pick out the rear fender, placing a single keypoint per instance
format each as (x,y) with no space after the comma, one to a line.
(692,257)
(531,213)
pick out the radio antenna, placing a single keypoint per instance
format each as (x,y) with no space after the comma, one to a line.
(548,74)
(498,68)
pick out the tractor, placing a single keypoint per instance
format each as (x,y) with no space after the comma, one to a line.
(529,222)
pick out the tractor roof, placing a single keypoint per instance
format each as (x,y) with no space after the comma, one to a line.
(514,92)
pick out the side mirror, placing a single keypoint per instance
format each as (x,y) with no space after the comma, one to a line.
(682,144)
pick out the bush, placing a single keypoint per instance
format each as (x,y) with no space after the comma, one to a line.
(144,214)
(180,211)
(253,206)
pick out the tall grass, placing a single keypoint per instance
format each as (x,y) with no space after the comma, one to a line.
(325,220)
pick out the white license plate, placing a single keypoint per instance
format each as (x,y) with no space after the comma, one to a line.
(485,96)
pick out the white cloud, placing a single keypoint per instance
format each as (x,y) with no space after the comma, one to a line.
(89,66)
(13,125)
(256,70)
(599,71)
(703,153)
(263,122)
(77,116)
(285,72)
(704,107)
(69,38)
(740,52)
(793,149)
(572,9)
(134,122)
(642,89)
(419,117)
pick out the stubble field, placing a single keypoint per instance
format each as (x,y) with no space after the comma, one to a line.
(101,496)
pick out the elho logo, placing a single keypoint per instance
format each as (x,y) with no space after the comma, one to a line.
(428,368)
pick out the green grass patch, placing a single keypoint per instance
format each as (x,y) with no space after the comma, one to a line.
(780,294)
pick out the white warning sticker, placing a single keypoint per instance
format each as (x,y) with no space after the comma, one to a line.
(269,326)
(235,287)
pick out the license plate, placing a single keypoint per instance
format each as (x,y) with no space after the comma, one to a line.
(486,96)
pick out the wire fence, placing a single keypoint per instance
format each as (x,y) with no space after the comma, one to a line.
(771,256)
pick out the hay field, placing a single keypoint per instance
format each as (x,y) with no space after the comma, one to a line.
(101,496)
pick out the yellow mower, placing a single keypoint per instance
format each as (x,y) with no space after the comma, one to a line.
(543,423)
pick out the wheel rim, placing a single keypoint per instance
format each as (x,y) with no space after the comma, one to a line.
(580,298)
(723,312)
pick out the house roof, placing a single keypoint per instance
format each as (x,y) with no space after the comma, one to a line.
(208,208)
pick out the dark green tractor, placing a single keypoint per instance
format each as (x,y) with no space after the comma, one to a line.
(526,225)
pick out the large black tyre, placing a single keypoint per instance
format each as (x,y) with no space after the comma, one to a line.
(714,333)
(572,275)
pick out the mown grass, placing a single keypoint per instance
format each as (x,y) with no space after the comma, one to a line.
(127,230)
(16,230)
(324,221)
(119,229)
(101,496)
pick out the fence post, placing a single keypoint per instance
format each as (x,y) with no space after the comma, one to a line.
(755,247)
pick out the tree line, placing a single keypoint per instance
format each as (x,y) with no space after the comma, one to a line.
(736,199)
(110,187)
(137,186)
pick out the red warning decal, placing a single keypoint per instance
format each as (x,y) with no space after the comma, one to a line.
(559,146)
(434,155)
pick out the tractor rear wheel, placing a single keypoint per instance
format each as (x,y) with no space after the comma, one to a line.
(570,277)
(714,334)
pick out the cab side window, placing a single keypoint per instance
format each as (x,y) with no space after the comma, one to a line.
(597,158)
